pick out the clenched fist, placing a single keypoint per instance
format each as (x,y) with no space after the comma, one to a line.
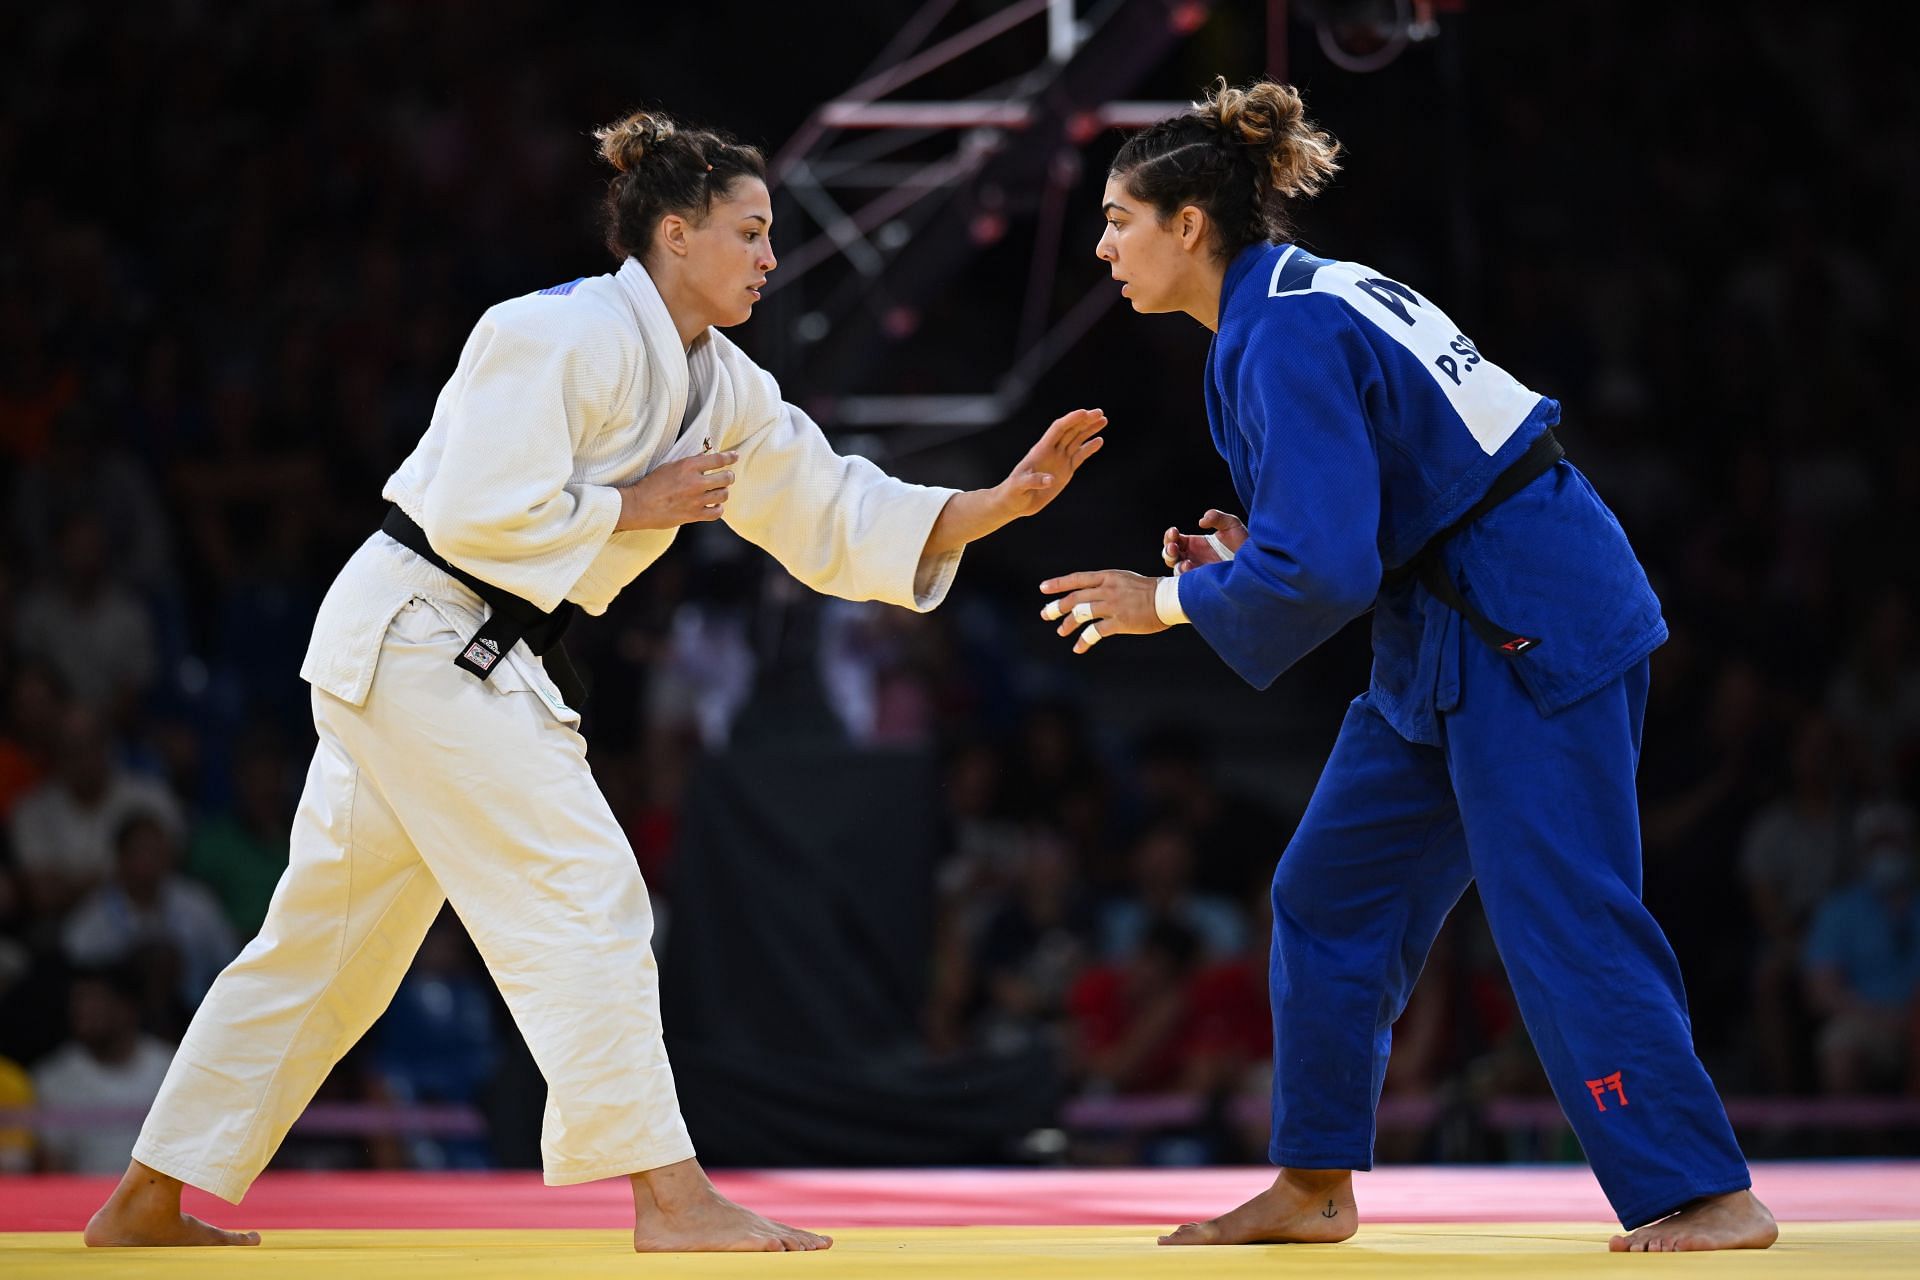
(684,492)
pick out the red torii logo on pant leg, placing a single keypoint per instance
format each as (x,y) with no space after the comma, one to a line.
(1604,1083)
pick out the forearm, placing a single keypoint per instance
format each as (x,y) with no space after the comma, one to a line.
(967,517)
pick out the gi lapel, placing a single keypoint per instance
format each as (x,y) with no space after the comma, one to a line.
(662,340)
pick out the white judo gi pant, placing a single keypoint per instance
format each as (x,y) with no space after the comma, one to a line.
(438,788)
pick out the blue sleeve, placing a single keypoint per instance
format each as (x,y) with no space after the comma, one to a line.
(1311,562)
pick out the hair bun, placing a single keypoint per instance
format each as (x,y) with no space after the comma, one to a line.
(1271,120)
(625,143)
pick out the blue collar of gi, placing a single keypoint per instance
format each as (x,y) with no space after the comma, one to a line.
(1238,268)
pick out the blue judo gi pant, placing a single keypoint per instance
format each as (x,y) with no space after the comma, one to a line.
(1540,811)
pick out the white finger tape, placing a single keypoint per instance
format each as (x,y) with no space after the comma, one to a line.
(1052,612)
(1220,548)
(1090,635)
(1083,612)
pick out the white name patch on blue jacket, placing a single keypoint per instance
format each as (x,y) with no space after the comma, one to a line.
(1492,404)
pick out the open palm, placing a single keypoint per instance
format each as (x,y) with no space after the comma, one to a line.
(1049,466)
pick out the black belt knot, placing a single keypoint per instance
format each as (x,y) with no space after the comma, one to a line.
(1429,566)
(510,619)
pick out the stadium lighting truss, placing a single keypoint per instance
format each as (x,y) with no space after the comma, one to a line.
(901,193)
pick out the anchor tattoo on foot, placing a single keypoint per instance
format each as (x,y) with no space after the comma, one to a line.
(1329,1211)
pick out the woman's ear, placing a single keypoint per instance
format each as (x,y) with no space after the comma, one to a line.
(1192,227)
(673,234)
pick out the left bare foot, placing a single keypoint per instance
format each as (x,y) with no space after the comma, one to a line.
(1303,1206)
(144,1211)
(1732,1221)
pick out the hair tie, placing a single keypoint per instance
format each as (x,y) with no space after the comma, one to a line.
(709,168)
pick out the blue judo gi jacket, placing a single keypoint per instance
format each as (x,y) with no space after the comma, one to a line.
(1358,422)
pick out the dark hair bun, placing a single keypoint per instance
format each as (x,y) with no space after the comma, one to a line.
(663,168)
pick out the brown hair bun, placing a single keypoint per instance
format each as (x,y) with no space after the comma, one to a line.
(1271,120)
(625,143)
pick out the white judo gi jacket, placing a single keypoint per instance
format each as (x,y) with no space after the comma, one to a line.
(430,786)
(562,395)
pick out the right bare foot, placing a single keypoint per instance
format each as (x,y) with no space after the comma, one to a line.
(144,1212)
(1303,1206)
(676,1209)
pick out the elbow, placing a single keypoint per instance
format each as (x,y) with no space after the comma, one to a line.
(1344,591)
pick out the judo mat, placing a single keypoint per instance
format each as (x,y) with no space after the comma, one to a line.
(1856,1218)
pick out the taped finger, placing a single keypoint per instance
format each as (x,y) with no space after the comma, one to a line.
(1090,634)
(1051,613)
(1083,612)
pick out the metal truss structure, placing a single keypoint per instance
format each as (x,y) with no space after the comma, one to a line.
(901,194)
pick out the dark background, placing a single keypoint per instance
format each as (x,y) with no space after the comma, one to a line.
(239,252)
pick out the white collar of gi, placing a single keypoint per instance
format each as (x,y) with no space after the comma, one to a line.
(662,337)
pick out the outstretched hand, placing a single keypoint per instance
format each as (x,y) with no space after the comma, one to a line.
(1049,466)
(1182,551)
(1111,602)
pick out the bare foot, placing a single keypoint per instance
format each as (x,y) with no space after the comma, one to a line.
(1733,1221)
(1303,1206)
(677,1210)
(144,1211)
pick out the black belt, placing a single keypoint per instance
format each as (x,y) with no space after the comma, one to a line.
(1429,566)
(510,620)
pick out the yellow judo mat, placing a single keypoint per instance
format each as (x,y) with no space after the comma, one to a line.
(1849,1249)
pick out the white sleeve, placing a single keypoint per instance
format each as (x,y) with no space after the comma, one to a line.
(837,523)
(501,500)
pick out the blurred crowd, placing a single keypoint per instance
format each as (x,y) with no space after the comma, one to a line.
(237,260)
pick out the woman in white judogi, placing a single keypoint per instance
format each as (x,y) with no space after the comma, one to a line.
(583,426)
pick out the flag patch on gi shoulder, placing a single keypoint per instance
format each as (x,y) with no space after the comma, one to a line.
(561,290)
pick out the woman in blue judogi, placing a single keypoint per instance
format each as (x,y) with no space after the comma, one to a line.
(1384,463)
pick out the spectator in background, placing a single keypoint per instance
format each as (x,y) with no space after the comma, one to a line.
(1131,1018)
(1876,695)
(93,630)
(1031,949)
(1162,889)
(148,908)
(1180,780)
(16,1145)
(241,852)
(63,830)
(1789,862)
(1700,780)
(436,1042)
(1863,960)
(30,731)
(110,1065)
(88,470)
(35,387)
